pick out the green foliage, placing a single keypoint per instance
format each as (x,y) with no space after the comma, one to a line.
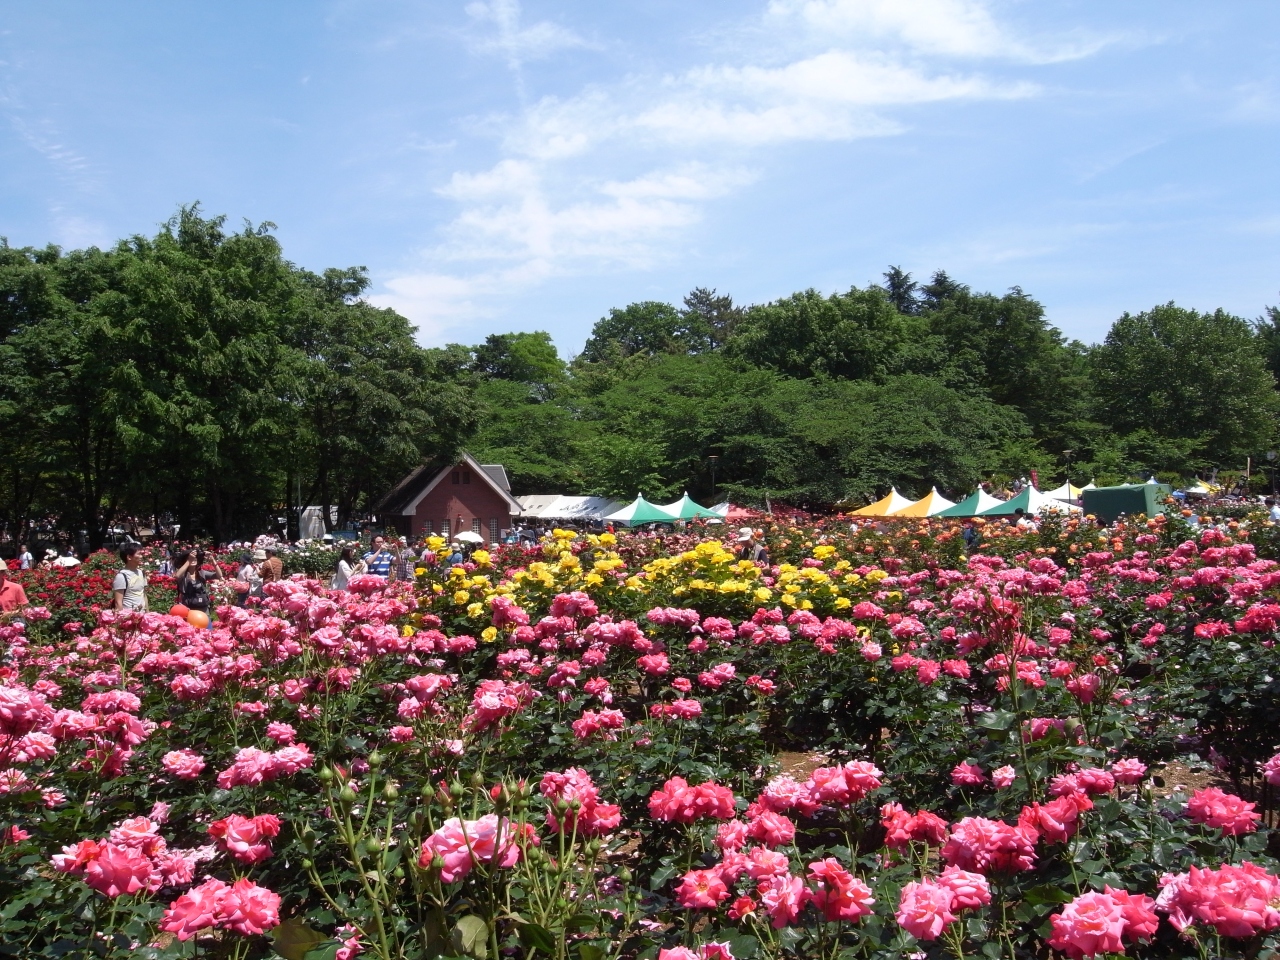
(199,372)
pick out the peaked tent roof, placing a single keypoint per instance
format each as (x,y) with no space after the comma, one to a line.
(884,507)
(640,510)
(929,505)
(1032,502)
(687,509)
(972,505)
(1065,492)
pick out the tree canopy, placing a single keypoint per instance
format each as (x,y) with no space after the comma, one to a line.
(199,373)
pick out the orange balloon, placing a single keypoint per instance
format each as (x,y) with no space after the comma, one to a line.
(198,619)
(178,610)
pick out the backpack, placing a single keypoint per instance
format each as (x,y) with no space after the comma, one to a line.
(194,592)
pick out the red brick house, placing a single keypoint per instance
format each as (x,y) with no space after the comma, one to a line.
(447,497)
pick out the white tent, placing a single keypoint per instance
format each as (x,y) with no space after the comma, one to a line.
(1065,492)
(1038,502)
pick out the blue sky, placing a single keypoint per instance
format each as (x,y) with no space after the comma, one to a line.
(505,165)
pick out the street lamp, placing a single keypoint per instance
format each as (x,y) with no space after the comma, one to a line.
(713,459)
(1067,454)
(1271,455)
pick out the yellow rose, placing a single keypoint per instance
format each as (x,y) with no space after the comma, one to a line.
(489,634)
(475,609)
(461,596)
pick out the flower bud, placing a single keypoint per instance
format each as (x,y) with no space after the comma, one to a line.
(456,790)
(375,760)
(390,791)
(325,775)
(347,796)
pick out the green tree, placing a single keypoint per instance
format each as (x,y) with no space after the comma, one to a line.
(1197,381)
(647,328)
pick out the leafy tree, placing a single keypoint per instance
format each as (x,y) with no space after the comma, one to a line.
(646,328)
(703,308)
(527,358)
(1197,380)
(853,336)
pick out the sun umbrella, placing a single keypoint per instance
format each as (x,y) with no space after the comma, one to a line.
(466,536)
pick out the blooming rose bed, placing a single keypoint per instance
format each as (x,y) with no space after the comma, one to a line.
(572,750)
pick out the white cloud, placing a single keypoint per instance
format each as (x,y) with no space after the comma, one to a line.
(519,44)
(588,179)
(952,28)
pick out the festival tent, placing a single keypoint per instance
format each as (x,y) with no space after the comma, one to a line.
(971,506)
(1201,489)
(686,509)
(885,507)
(1107,503)
(640,511)
(1032,502)
(929,505)
(1065,492)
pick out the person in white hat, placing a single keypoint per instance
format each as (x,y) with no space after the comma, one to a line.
(749,548)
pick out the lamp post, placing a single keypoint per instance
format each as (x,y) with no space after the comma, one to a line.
(1271,456)
(713,460)
(1067,454)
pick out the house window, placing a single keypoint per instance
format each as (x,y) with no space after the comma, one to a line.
(475,525)
(493,530)
(444,529)
(457,478)
(428,527)
(466,476)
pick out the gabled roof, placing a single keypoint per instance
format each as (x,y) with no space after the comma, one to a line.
(404,497)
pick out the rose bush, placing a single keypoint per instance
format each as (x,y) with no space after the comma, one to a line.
(571,749)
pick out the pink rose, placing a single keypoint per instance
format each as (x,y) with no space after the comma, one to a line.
(924,910)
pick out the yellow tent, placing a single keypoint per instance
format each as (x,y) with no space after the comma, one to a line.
(883,508)
(927,506)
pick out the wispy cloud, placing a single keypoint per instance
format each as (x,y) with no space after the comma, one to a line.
(587,179)
(513,40)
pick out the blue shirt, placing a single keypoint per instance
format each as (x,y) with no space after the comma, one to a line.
(379,563)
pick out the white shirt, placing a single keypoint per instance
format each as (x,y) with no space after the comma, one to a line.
(345,572)
(132,585)
(25,560)
(1275,512)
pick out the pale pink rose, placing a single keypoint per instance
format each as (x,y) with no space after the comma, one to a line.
(969,891)
(1088,926)
(183,764)
(1129,771)
(119,871)
(1003,777)
(924,909)
(783,897)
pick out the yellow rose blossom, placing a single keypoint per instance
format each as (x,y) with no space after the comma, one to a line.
(407,631)
(843,603)
(419,571)
(481,558)
(764,594)
(489,634)
(475,609)
(461,596)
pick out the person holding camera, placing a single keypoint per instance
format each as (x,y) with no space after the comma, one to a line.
(193,580)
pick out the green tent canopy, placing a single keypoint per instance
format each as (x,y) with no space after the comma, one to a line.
(640,511)
(1107,503)
(971,505)
(687,509)
(1032,502)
